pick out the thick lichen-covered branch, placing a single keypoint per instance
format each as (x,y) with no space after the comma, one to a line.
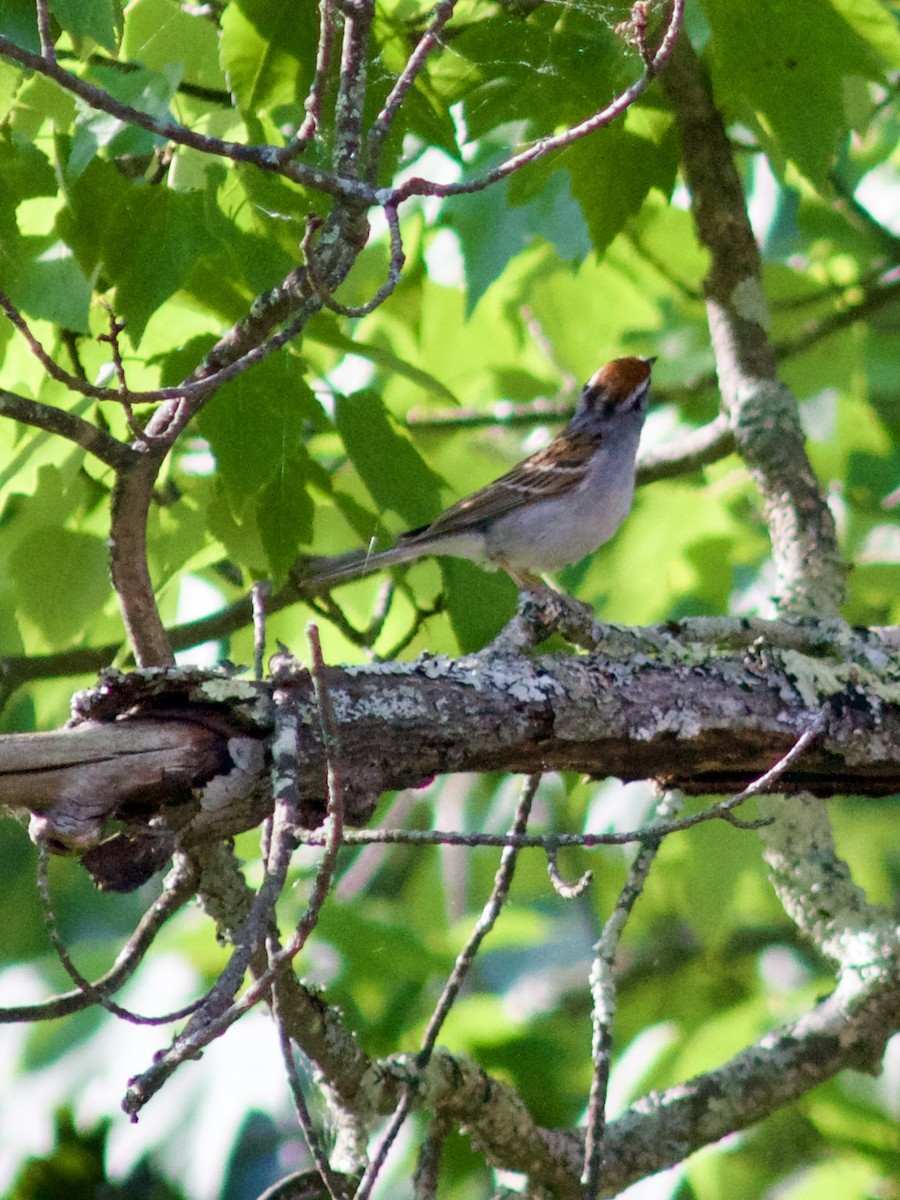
(651,707)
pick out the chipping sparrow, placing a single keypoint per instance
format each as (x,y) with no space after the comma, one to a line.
(551,510)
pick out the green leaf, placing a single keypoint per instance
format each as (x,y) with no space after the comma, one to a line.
(146,239)
(479,601)
(590,314)
(97,19)
(49,284)
(17,22)
(62,580)
(10,634)
(494,226)
(147,91)
(875,23)
(552,212)
(396,475)
(323,330)
(257,422)
(39,273)
(159,33)
(787,74)
(542,73)
(490,231)
(284,514)
(25,171)
(267,49)
(613,170)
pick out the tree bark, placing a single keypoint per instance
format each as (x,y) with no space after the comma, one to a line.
(184,752)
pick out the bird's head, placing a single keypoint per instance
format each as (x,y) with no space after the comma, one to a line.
(622,386)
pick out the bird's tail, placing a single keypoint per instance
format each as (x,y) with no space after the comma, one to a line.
(320,574)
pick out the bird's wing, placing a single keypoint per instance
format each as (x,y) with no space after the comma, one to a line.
(552,471)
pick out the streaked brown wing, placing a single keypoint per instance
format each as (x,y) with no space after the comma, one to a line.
(553,470)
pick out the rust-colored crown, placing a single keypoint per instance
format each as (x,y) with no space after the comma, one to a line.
(619,378)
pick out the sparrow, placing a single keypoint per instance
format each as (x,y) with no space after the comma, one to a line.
(551,510)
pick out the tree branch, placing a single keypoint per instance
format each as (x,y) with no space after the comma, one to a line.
(761,410)
(95,441)
(352,84)
(689,716)
(430,39)
(312,105)
(603,1004)
(267,158)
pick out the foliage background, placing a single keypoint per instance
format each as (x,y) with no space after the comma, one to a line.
(515,293)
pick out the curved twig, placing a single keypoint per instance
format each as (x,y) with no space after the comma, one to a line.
(564,889)
(180,886)
(312,105)
(397,262)
(700,448)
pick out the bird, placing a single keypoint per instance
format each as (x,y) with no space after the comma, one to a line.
(551,510)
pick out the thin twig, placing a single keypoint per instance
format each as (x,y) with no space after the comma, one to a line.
(700,448)
(310,1134)
(266,157)
(259,594)
(769,778)
(568,891)
(297,1185)
(251,935)
(69,425)
(312,105)
(544,146)
(327,607)
(552,842)
(91,991)
(603,1007)
(817,331)
(544,343)
(428,1162)
(461,968)
(430,39)
(334,812)
(45,32)
(180,885)
(602,984)
(76,383)
(195,390)
(112,338)
(395,268)
(859,215)
(548,842)
(702,445)
(421,616)
(503,414)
